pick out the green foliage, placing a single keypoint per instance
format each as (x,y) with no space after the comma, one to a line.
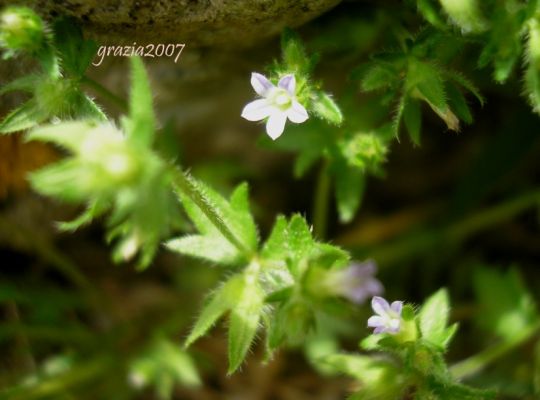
(110,169)
(506,307)
(416,365)
(55,92)
(433,319)
(163,365)
(416,75)
(211,244)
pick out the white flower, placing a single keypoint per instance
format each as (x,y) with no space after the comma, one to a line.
(277,104)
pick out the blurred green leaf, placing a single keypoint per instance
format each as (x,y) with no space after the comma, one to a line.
(506,307)
(433,318)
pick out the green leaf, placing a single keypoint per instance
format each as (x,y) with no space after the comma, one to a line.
(427,80)
(378,76)
(324,107)
(276,246)
(244,321)
(458,104)
(142,120)
(211,248)
(76,52)
(294,55)
(433,320)
(430,13)
(26,83)
(220,302)
(300,242)
(507,308)
(234,214)
(465,14)
(94,209)
(349,189)
(69,135)
(466,84)
(305,160)
(24,117)
(412,116)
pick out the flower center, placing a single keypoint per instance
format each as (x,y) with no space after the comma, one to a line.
(282,99)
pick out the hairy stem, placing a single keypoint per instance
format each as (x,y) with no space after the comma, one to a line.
(478,362)
(321,202)
(184,184)
(103,91)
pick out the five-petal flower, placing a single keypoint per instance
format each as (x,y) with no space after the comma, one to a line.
(388,318)
(277,104)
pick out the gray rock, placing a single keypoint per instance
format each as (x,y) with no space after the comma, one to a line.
(227,23)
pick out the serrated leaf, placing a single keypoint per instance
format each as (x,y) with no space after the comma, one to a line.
(211,248)
(324,107)
(141,113)
(244,321)
(433,319)
(220,302)
(412,116)
(24,117)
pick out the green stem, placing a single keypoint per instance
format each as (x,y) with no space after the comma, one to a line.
(321,202)
(478,362)
(185,185)
(103,91)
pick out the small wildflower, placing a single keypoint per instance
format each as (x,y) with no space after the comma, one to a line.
(357,282)
(277,104)
(388,318)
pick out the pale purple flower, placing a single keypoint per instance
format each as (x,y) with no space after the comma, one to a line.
(277,103)
(357,282)
(388,318)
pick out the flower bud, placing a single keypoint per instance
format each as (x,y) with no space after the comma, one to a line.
(21,29)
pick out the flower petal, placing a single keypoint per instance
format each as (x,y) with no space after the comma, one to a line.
(261,84)
(276,124)
(397,306)
(288,82)
(297,113)
(375,321)
(379,305)
(380,329)
(257,110)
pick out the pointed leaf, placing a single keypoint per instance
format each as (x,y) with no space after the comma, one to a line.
(433,318)
(211,248)
(141,111)
(324,106)
(244,321)
(219,303)
(26,116)
(412,117)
